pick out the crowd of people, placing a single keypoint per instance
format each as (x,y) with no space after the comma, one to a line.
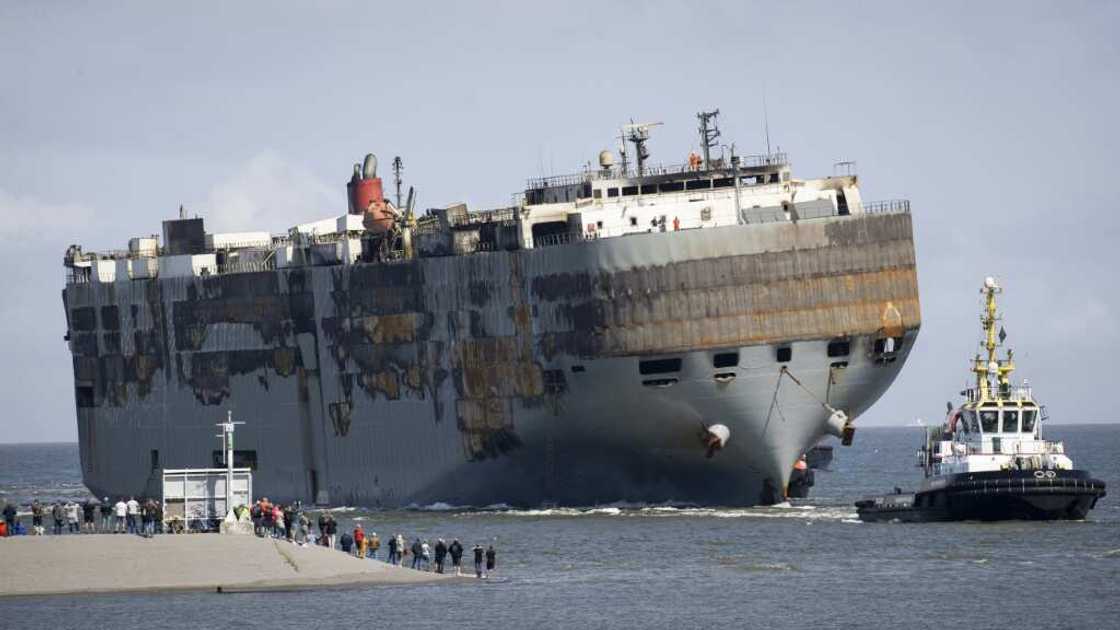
(290,522)
(126,515)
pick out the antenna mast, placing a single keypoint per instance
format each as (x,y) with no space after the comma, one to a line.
(398,167)
(227,443)
(638,133)
(709,133)
(766,122)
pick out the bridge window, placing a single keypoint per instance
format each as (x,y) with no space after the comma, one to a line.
(723,182)
(969,420)
(649,189)
(628,191)
(612,192)
(1010,421)
(1029,416)
(659,366)
(671,186)
(597,193)
(698,184)
(989,420)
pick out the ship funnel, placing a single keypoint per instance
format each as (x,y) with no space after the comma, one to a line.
(369,167)
(715,437)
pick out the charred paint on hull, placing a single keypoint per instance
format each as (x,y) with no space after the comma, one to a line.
(501,376)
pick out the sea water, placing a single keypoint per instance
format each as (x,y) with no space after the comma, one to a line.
(808,564)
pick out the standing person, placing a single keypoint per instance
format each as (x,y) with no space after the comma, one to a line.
(268,517)
(106,515)
(10,516)
(359,541)
(36,517)
(426,552)
(277,522)
(132,514)
(400,550)
(59,516)
(323,525)
(491,559)
(289,521)
(392,549)
(347,542)
(120,510)
(417,549)
(374,545)
(332,531)
(255,514)
(477,561)
(145,517)
(87,516)
(456,551)
(441,555)
(301,529)
(72,511)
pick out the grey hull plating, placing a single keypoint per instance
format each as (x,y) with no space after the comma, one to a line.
(501,377)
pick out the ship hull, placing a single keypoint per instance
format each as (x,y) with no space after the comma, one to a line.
(992,496)
(502,377)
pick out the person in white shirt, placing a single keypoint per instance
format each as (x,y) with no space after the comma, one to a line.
(119,511)
(133,512)
(72,517)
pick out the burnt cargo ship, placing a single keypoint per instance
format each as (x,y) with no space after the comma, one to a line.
(628,333)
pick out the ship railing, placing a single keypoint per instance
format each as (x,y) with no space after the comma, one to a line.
(889,206)
(560,238)
(247,266)
(497,215)
(745,162)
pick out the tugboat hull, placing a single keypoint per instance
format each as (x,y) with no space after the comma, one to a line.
(994,496)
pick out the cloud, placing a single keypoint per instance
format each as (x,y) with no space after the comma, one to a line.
(271,193)
(29,218)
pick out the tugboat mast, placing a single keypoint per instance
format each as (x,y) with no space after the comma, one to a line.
(993,366)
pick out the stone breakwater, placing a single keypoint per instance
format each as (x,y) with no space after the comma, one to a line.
(63,565)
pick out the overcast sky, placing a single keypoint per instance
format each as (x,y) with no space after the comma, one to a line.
(998,121)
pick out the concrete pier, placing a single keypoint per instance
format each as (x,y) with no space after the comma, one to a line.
(107,563)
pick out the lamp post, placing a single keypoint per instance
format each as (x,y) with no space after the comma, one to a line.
(227,440)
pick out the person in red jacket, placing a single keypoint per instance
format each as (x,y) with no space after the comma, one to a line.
(359,542)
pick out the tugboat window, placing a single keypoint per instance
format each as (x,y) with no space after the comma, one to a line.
(1028,420)
(970,421)
(989,421)
(1010,421)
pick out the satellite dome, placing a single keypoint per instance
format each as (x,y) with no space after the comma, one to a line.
(606,158)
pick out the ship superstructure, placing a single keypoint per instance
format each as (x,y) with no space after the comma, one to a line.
(631,332)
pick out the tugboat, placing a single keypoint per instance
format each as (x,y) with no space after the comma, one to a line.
(988,461)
